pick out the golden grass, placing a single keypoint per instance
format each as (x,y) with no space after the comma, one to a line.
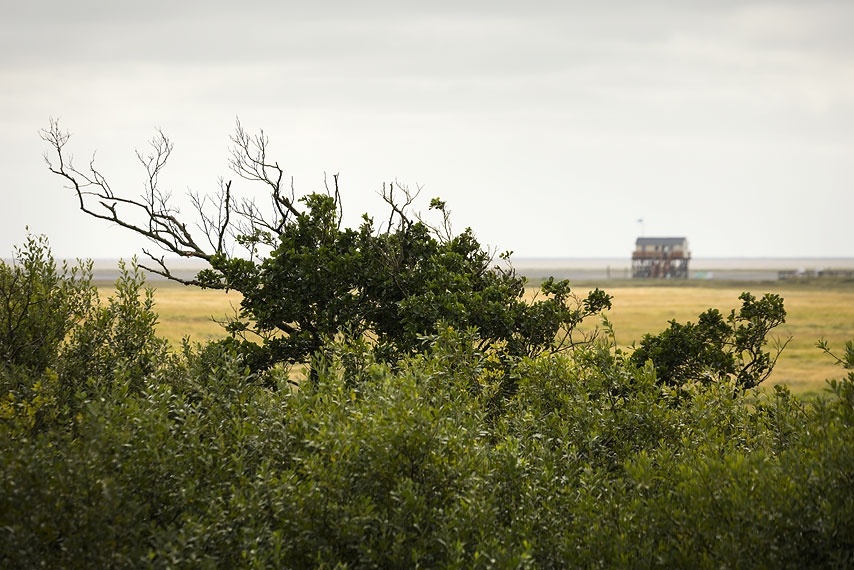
(813,313)
(188,311)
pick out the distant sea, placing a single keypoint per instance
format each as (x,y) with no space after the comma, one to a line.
(590,268)
(725,268)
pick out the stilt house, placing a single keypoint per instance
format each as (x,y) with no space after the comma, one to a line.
(660,258)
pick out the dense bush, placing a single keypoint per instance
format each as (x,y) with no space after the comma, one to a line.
(183,459)
(717,346)
(38,305)
(60,341)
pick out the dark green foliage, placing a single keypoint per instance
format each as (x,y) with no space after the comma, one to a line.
(396,286)
(461,456)
(716,346)
(591,464)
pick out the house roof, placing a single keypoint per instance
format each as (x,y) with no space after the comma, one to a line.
(661,241)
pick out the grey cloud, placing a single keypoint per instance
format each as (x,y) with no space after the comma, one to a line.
(199,32)
(606,84)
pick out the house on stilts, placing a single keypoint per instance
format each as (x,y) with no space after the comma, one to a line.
(660,258)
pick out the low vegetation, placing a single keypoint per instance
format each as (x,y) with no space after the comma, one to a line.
(118,452)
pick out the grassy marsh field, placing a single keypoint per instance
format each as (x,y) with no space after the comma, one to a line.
(815,310)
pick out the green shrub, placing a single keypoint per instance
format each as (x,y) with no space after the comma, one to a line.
(62,346)
(458,457)
(39,305)
(716,347)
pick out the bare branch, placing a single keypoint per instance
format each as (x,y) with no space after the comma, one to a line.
(249,161)
(163,270)
(399,208)
(336,196)
(162,226)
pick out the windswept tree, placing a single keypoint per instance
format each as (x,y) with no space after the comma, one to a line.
(306,279)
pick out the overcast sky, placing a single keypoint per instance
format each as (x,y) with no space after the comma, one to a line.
(550,128)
